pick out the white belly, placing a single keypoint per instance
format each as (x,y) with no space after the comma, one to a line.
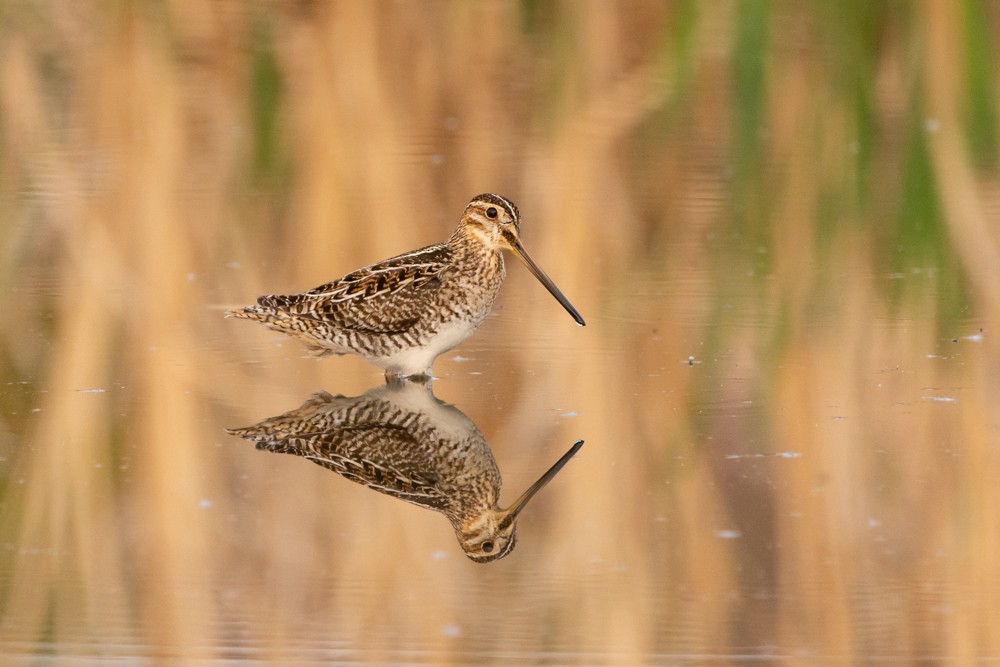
(418,360)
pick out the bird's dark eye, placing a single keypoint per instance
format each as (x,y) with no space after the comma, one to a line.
(488,546)
(491,213)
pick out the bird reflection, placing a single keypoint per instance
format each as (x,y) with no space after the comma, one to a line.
(402,441)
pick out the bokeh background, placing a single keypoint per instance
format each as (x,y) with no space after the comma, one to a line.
(780,220)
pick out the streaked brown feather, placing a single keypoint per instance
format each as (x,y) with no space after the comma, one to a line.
(357,301)
(400,440)
(390,447)
(401,313)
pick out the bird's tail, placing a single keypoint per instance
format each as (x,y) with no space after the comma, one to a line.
(279,319)
(251,313)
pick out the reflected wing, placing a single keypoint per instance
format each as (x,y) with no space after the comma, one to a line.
(412,485)
(367,441)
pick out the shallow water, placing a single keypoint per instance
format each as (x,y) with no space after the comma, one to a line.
(783,242)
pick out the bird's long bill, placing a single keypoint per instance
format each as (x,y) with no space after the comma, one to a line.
(510,514)
(516,246)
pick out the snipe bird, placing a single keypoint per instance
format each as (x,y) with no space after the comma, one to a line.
(400,440)
(401,313)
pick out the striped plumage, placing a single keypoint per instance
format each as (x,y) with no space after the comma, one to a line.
(400,314)
(400,440)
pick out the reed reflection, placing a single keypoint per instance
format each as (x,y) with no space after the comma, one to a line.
(399,439)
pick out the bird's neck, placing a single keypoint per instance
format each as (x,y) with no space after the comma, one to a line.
(478,255)
(472,240)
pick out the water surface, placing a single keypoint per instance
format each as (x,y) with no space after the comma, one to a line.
(779,223)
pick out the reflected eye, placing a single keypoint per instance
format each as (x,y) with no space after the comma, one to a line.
(491,213)
(488,546)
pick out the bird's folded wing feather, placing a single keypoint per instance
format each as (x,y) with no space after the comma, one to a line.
(388,297)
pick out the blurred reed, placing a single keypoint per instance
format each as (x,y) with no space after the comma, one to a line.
(821,171)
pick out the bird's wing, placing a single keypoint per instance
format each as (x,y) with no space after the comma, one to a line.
(384,298)
(366,441)
(340,452)
(399,481)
